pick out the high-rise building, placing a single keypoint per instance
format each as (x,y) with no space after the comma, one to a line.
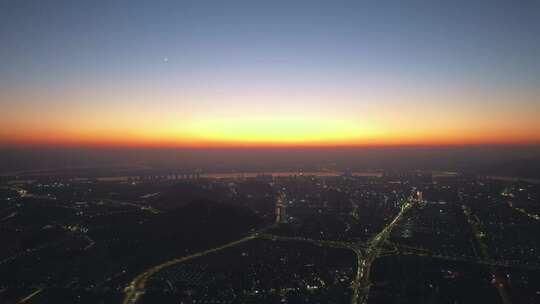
(281,208)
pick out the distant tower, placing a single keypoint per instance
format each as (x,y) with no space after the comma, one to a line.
(281,209)
(419,196)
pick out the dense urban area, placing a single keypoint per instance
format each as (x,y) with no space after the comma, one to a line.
(282,237)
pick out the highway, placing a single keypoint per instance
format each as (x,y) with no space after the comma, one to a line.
(30,296)
(521,210)
(365,254)
(361,283)
(136,288)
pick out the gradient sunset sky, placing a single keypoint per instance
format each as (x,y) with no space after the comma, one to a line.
(269,73)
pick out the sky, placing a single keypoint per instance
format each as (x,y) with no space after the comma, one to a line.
(269,73)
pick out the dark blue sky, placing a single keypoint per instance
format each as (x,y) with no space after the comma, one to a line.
(447,41)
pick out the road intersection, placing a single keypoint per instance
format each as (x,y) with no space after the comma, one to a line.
(366,253)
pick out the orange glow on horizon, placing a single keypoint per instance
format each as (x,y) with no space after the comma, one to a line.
(231,119)
(134,141)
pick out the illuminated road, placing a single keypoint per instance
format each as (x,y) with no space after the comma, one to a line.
(136,288)
(356,247)
(479,235)
(361,283)
(91,242)
(322,243)
(521,210)
(138,206)
(13,214)
(30,296)
(366,254)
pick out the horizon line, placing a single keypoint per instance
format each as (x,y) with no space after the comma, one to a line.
(251,146)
